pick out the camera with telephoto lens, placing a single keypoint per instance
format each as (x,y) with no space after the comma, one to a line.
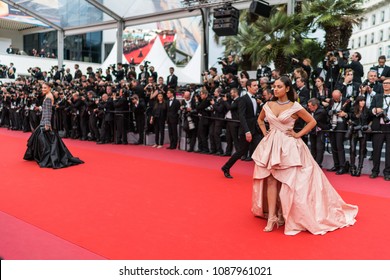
(384,116)
(220,60)
(367,83)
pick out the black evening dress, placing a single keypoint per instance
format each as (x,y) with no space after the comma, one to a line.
(46,147)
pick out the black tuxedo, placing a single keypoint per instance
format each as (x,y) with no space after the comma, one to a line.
(121,105)
(248,123)
(317,137)
(303,95)
(337,138)
(139,115)
(203,125)
(385,71)
(188,116)
(173,121)
(380,101)
(172,81)
(344,87)
(232,125)
(78,74)
(230,68)
(356,66)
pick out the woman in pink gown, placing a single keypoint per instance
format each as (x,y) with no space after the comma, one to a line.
(289,187)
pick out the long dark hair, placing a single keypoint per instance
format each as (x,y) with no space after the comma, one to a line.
(287,83)
(356,106)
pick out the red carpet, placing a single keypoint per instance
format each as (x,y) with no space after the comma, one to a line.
(137,202)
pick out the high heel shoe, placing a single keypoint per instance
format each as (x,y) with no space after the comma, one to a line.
(280,218)
(271,223)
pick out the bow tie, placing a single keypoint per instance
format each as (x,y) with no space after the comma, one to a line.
(252,96)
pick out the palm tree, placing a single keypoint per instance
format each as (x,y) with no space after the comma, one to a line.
(335,17)
(267,40)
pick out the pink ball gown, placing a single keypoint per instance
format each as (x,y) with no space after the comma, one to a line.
(308,200)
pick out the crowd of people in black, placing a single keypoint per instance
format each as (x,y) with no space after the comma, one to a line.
(105,107)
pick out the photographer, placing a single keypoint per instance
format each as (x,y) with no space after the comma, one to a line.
(203,108)
(263,71)
(317,136)
(92,110)
(371,87)
(355,65)
(75,104)
(55,73)
(305,65)
(232,124)
(339,108)
(359,123)
(143,75)
(118,73)
(36,73)
(348,88)
(106,109)
(218,112)
(153,74)
(190,120)
(138,108)
(380,108)
(332,68)
(121,106)
(228,66)
(382,69)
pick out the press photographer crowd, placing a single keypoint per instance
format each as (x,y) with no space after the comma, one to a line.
(103,106)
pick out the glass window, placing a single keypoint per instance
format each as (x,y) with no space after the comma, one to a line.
(359,42)
(373,19)
(381,36)
(388,51)
(382,16)
(380,51)
(352,44)
(372,38)
(365,40)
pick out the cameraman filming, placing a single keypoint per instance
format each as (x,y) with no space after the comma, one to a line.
(229,66)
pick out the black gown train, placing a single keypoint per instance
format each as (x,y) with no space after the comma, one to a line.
(46,147)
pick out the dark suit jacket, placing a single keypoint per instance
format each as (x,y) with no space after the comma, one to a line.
(377,102)
(232,105)
(321,116)
(343,88)
(385,72)
(247,117)
(304,95)
(345,107)
(173,111)
(173,82)
(356,66)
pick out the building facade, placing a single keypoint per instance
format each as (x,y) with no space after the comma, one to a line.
(372,37)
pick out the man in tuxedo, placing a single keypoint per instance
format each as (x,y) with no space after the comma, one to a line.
(172,118)
(355,65)
(232,123)
(172,79)
(348,88)
(371,87)
(138,107)
(249,132)
(380,108)
(302,91)
(382,69)
(229,66)
(338,108)
(317,137)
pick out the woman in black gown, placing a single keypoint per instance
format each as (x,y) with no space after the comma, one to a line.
(44,145)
